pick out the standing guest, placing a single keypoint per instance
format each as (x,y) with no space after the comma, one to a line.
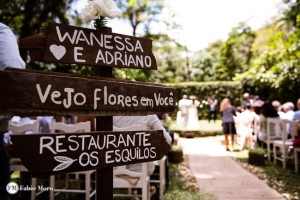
(213,102)
(247,99)
(227,112)
(182,115)
(9,57)
(246,119)
(257,101)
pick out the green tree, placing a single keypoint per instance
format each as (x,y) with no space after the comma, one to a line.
(275,72)
(202,67)
(292,13)
(140,12)
(235,53)
(143,15)
(203,63)
(171,60)
(28,17)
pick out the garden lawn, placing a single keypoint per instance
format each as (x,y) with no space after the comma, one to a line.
(206,128)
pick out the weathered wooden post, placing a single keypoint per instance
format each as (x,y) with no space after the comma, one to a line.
(28,92)
(104,177)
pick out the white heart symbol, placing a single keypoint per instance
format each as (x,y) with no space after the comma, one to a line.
(58,51)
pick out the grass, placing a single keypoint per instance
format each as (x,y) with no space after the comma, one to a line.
(206,128)
(285,181)
(179,187)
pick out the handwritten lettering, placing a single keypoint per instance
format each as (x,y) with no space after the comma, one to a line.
(102,40)
(162,101)
(104,96)
(117,58)
(56,96)
(86,46)
(118,147)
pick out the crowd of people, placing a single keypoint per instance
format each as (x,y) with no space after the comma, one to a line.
(238,121)
(253,110)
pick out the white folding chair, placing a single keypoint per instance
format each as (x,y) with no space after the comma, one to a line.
(16,163)
(273,133)
(256,130)
(123,176)
(281,146)
(72,128)
(161,176)
(296,157)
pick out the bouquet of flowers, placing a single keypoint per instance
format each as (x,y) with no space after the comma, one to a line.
(98,10)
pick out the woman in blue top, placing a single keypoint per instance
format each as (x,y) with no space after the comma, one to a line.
(227,112)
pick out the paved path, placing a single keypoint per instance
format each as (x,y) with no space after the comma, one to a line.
(217,173)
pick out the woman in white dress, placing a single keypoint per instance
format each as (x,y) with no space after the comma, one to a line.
(193,122)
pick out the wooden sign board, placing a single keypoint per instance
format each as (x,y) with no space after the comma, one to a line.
(70,152)
(82,46)
(25,92)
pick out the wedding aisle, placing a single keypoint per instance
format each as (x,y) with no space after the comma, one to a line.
(217,173)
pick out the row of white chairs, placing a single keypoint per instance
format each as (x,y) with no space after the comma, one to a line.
(119,172)
(16,164)
(280,134)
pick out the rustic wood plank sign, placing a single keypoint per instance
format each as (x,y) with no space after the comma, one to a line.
(39,93)
(70,152)
(82,46)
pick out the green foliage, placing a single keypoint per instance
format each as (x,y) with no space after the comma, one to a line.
(142,15)
(100,23)
(203,63)
(171,60)
(285,181)
(275,66)
(275,72)
(257,150)
(28,16)
(140,12)
(235,53)
(179,190)
(292,14)
(202,68)
(206,128)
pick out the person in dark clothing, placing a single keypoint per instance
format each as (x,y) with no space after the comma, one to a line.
(227,112)
(213,102)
